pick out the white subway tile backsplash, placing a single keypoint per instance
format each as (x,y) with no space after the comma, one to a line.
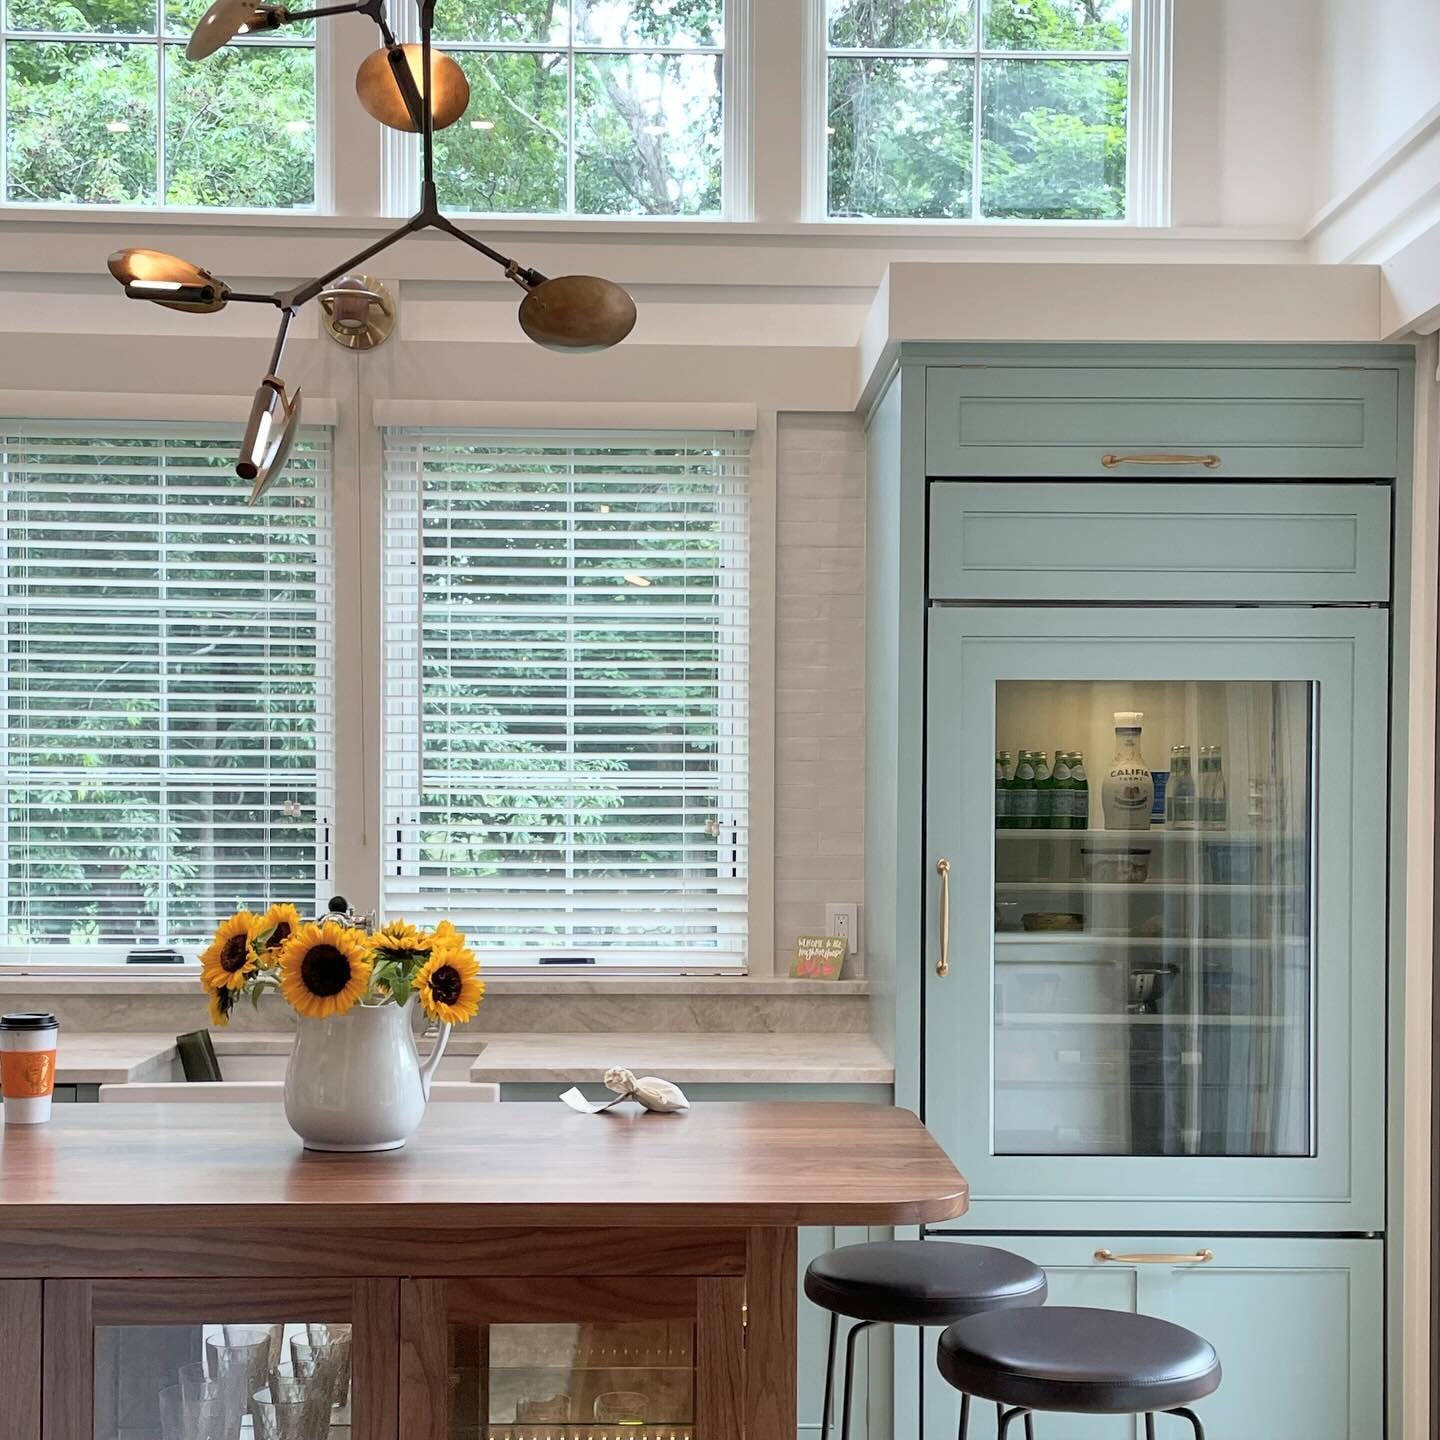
(819,672)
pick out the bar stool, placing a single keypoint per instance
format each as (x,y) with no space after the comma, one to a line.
(1081,1362)
(913,1282)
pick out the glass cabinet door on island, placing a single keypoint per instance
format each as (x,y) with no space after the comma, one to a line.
(220,1360)
(565,1358)
(1162,837)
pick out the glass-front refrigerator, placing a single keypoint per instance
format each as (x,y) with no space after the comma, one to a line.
(1156,848)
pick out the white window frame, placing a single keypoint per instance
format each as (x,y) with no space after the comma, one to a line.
(325,128)
(400,735)
(1147,143)
(400,183)
(190,415)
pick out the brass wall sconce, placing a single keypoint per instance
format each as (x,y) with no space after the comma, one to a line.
(359,312)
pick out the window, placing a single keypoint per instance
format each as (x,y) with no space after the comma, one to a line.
(565,672)
(591,107)
(99,106)
(167,653)
(971,109)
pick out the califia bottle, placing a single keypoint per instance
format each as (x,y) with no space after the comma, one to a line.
(1129,789)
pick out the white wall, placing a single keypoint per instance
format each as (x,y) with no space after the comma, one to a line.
(1379,65)
(1243,111)
(819,672)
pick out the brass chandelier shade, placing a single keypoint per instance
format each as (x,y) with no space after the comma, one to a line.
(226,19)
(380,89)
(168,280)
(412,88)
(578,313)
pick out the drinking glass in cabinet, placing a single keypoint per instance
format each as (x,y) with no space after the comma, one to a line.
(615,1380)
(280,1381)
(1155,997)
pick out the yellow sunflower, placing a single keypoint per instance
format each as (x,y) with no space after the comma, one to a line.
(276,926)
(324,970)
(449,984)
(222,1002)
(229,960)
(399,940)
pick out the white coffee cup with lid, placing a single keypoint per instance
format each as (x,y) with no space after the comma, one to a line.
(27,1065)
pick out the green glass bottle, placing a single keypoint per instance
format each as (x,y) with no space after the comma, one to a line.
(1060,793)
(1023,795)
(1079,792)
(1044,792)
(1004,773)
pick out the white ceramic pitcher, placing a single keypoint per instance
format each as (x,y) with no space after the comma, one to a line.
(356,1081)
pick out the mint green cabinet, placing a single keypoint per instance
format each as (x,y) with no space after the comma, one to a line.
(1297,1324)
(1222,422)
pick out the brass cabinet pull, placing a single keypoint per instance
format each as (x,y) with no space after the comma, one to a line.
(942,965)
(1111,460)
(1199,1257)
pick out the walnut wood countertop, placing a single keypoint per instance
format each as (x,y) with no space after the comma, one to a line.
(143,1168)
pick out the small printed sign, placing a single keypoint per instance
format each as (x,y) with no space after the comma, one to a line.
(818,957)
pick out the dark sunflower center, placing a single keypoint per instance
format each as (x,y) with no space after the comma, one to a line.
(281,935)
(325,971)
(236,954)
(445,985)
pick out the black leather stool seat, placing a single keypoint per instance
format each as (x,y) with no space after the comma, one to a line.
(921,1282)
(1091,1362)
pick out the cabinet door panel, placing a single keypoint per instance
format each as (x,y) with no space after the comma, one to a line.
(1168,1022)
(1227,544)
(1231,423)
(1297,1325)
(176,1359)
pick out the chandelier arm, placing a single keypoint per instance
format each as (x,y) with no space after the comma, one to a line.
(522,273)
(375,9)
(287,314)
(302,294)
(428,202)
(245,297)
(322,12)
(405,83)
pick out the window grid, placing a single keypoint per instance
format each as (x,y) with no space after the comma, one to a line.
(574,50)
(977,54)
(631,713)
(168,686)
(166,45)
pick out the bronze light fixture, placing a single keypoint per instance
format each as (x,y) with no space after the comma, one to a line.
(407,87)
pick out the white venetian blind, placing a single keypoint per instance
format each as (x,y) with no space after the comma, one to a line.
(566,642)
(167,683)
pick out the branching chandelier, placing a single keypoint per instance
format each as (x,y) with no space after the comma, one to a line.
(409,88)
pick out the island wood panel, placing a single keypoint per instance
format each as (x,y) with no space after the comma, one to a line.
(238,1302)
(68,1362)
(567,1299)
(424,1360)
(718,1166)
(720,1360)
(20,1318)
(770,1399)
(375,1356)
(204,1247)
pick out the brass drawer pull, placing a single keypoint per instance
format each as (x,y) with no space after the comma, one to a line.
(1199,1257)
(942,965)
(1111,460)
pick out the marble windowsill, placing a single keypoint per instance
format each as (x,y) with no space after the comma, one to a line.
(117,1058)
(21,981)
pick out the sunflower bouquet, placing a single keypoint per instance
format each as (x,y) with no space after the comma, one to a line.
(327,968)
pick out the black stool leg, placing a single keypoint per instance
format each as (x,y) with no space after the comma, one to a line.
(1187,1414)
(1149,1426)
(850,1374)
(1006,1416)
(829,1377)
(964,1415)
(1029,1424)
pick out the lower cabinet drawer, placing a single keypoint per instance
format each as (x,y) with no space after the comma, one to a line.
(1298,1324)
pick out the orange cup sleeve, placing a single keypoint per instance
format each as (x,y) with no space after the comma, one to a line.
(27,1074)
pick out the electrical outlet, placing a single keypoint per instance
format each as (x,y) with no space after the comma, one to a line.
(844,920)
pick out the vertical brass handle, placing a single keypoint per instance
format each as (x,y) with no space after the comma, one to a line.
(942,965)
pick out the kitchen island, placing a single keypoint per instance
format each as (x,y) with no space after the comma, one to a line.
(515,1272)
